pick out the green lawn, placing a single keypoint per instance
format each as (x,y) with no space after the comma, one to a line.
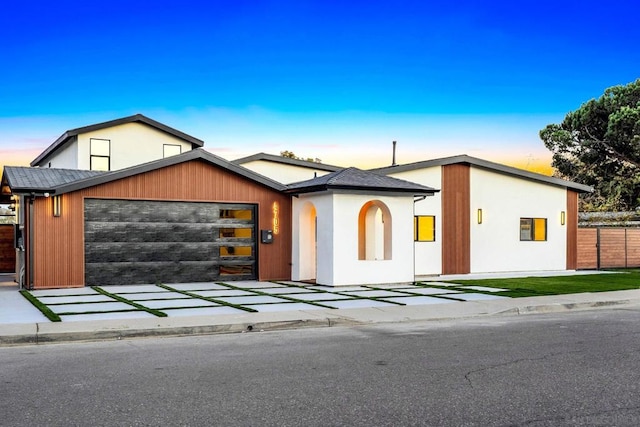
(536,286)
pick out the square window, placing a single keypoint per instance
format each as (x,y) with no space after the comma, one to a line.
(100,147)
(533,229)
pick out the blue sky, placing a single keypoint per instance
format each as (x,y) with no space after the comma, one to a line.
(337,80)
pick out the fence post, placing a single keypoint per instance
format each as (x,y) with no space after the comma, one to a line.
(626,255)
(598,248)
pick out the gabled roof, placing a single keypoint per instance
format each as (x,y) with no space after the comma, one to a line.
(485,164)
(286,161)
(23,179)
(356,179)
(59,181)
(71,135)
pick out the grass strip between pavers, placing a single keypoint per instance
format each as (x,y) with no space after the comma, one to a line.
(209,299)
(157,313)
(41,306)
(256,291)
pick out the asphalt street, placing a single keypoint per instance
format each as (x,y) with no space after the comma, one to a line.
(577,368)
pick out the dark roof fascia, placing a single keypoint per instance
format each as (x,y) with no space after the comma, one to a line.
(287,161)
(485,164)
(197,154)
(65,138)
(369,190)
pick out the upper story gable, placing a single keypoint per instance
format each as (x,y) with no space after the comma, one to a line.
(284,169)
(116,144)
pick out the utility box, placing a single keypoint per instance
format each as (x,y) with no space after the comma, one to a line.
(266,236)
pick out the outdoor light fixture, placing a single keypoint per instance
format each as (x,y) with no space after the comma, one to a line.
(563,217)
(57,205)
(479,216)
(12,207)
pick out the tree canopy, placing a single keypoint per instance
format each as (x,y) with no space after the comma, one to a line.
(291,155)
(599,145)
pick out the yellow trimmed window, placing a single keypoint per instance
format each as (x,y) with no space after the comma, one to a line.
(533,229)
(424,228)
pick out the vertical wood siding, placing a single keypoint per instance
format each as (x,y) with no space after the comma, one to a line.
(456,234)
(59,241)
(572,229)
(7,251)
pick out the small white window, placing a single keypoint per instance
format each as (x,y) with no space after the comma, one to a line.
(171,150)
(100,157)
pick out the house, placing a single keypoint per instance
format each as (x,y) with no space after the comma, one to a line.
(489,217)
(188,217)
(284,169)
(194,216)
(116,144)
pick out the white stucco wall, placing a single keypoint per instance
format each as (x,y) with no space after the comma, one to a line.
(65,158)
(495,244)
(337,245)
(283,173)
(131,144)
(428,255)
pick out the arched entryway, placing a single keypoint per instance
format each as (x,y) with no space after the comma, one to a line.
(308,241)
(374,231)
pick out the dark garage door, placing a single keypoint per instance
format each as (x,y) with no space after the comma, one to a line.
(134,242)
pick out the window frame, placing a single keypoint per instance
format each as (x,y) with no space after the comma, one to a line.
(99,156)
(416,228)
(532,232)
(164,150)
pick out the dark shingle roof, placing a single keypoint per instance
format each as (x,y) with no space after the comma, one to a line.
(485,164)
(286,161)
(25,180)
(71,135)
(356,179)
(56,182)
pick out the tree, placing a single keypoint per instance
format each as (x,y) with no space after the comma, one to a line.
(291,155)
(599,145)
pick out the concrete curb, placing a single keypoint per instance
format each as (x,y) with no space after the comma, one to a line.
(45,333)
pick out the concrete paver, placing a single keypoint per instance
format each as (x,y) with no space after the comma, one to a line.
(375,293)
(176,303)
(476,297)
(196,286)
(255,299)
(271,308)
(321,296)
(422,300)
(133,289)
(86,307)
(255,285)
(65,299)
(429,291)
(202,311)
(134,314)
(150,296)
(222,293)
(356,303)
(63,292)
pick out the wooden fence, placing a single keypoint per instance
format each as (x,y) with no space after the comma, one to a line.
(7,251)
(608,247)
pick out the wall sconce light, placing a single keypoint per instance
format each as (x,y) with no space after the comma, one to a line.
(563,217)
(479,216)
(12,207)
(57,205)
